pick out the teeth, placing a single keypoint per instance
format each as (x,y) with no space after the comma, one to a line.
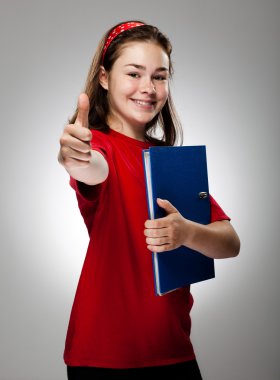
(143,103)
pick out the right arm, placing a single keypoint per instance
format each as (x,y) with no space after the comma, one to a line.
(75,154)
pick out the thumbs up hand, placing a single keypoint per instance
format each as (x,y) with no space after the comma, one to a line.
(75,148)
(167,233)
(83,111)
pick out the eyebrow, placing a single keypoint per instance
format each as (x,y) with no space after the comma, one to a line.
(144,68)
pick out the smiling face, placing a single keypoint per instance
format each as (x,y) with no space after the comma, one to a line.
(137,87)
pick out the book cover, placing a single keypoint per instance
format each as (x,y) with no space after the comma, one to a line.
(178,174)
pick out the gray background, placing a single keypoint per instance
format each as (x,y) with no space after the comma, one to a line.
(226,88)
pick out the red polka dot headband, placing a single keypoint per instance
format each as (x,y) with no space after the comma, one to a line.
(116,31)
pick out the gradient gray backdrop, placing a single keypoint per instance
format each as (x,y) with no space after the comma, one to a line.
(226,88)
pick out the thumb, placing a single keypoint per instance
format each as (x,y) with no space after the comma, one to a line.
(83,111)
(167,206)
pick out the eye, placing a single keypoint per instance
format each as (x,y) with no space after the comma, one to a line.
(134,75)
(160,77)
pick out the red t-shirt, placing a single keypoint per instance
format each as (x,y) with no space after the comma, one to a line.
(117,321)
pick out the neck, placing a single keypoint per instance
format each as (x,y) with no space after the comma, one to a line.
(136,132)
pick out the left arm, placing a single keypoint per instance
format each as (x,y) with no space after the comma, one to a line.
(217,240)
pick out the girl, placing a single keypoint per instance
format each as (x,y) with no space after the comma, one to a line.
(118,327)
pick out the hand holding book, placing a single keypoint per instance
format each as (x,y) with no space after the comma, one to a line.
(167,233)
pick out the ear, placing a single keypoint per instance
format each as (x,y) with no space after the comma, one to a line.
(103,78)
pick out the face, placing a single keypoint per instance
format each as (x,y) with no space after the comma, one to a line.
(137,85)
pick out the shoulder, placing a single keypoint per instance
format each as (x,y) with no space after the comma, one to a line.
(100,141)
(99,134)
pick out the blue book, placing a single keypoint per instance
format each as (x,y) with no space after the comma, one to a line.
(178,174)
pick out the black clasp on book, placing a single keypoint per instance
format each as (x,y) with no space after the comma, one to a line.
(203,195)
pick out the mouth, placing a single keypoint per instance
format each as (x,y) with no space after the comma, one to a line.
(144,103)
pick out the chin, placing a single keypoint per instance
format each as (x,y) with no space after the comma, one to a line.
(144,120)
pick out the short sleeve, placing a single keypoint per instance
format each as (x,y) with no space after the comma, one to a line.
(217,213)
(85,192)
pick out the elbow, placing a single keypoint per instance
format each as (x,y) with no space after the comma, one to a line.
(234,245)
(233,242)
(238,246)
(231,246)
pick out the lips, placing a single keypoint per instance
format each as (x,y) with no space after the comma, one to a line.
(144,103)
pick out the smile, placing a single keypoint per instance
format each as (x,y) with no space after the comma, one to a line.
(144,103)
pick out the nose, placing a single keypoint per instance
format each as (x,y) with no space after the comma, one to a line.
(148,86)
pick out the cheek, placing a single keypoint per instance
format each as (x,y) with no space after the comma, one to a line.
(130,87)
(163,92)
(119,86)
(126,87)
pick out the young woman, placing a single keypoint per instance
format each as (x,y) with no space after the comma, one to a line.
(118,327)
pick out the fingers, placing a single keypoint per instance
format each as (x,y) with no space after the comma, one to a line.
(79,129)
(70,157)
(156,237)
(160,248)
(76,137)
(68,152)
(75,147)
(159,240)
(75,150)
(156,232)
(166,233)
(156,223)
(166,205)
(165,221)
(83,111)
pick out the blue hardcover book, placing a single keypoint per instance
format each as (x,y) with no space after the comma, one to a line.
(178,174)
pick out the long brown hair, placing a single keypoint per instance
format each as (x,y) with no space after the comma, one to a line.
(166,120)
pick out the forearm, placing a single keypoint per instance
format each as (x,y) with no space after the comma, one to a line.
(217,240)
(92,173)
